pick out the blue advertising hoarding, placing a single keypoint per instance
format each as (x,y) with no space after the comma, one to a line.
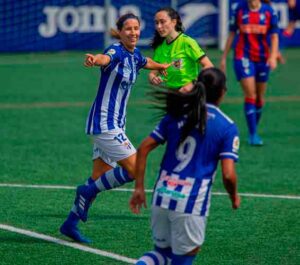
(81,24)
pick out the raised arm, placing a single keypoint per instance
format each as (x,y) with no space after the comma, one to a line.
(230,181)
(98,60)
(138,198)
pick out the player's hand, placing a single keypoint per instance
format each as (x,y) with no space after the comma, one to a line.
(138,200)
(223,65)
(90,60)
(235,201)
(272,62)
(164,68)
(155,80)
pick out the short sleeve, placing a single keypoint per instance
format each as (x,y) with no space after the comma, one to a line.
(230,144)
(115,56)
(159,134)
(193,49)
(233,24)
(274,22)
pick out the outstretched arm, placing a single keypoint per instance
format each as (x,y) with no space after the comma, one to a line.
(230,181)
(152,65)
(138,198)
(98,60)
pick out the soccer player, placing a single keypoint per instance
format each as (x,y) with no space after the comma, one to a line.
(197,136)
(294,16)
(120,65)
(171,45)
(254,23)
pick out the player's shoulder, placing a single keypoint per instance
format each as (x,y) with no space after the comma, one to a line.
(113,49)
(216,114)
(187,39)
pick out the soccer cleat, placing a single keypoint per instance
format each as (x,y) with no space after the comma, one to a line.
(83,201)
(73,233)
(255,140)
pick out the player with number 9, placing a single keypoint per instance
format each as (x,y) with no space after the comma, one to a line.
(197,135)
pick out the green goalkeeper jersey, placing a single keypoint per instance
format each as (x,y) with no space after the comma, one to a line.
(185,53)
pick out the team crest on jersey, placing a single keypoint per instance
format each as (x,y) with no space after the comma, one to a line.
(178,63)
(236,144)
(111,52)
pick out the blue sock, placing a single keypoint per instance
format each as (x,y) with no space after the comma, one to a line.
(182,259)
(111,179)
(250,113)
(259,107)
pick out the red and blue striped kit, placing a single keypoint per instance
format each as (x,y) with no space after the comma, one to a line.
(253,31)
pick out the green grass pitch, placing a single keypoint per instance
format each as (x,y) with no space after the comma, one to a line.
(44,101)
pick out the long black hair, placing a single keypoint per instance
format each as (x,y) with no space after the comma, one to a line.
(209,87)
(177,104)
(173,14)
(214,81)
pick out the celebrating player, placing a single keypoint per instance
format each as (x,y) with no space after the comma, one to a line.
(120,65)
(254,22)
(197,136)
(171,45)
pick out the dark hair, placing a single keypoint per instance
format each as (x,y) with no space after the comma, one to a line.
(173,14)
(208,88)
(120,23)
(266,1)
(177,104)
(214,81)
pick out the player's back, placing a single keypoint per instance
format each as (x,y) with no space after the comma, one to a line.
(188,168)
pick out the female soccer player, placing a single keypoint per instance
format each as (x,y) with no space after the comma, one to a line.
(171,45)
(120,65)
(197,136)
(254,23)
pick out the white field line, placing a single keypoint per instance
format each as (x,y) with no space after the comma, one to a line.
(67,243)
(60,187)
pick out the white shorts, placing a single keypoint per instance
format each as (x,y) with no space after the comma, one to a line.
(180,231)
(112,146)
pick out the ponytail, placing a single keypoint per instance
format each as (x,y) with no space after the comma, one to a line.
(190,105)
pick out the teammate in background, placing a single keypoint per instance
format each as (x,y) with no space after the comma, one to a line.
(120,65)
(197,136)
(171,45)
(254,22)
(294,15)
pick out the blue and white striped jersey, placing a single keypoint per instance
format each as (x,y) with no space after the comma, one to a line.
(187,170)
(109,108)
